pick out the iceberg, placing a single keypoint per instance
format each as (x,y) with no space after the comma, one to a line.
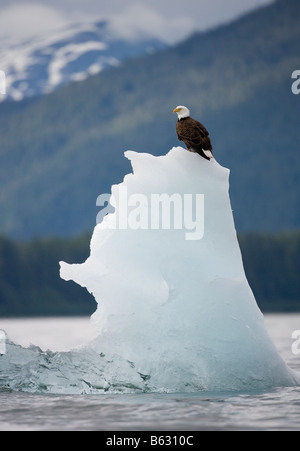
(175,310)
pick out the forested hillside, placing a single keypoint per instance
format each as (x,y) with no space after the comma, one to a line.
(30,284)
(29,278)
(59,152)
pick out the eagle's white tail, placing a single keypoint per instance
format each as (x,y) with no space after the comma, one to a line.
(208,153)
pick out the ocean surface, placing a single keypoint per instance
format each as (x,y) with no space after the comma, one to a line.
(274,410)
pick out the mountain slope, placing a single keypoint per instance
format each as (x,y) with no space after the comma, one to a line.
(40,66)
(59,152)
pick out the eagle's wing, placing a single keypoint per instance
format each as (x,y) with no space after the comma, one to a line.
(191,131)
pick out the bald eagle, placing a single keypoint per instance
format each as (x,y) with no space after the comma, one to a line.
(193,133)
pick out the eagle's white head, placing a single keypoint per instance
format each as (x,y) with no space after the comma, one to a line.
(182,111)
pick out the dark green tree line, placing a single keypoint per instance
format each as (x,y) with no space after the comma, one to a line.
(30,284)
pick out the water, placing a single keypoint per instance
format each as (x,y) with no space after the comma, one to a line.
(277,409)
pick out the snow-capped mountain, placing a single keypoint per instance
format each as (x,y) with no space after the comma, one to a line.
(39,66)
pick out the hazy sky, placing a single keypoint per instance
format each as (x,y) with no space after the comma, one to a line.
(171,20)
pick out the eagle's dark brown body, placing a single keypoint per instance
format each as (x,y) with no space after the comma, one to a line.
(194,135)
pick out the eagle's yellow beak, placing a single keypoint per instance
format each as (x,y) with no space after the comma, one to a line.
(176,110)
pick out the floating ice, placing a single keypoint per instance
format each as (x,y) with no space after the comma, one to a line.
(180,310)
(175,311)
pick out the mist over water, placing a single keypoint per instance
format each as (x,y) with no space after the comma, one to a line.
(271,409)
